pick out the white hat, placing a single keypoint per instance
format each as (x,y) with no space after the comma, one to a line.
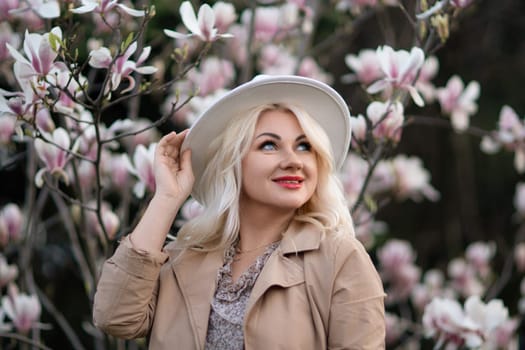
(318,99)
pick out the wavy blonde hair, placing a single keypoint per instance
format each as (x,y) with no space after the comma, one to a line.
(220,184)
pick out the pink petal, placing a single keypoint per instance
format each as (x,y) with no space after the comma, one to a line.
(188,17)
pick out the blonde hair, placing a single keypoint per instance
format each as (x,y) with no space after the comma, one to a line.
(220,185)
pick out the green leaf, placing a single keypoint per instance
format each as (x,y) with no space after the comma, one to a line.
(54,41)
(126,42)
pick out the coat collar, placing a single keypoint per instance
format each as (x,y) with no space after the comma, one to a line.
(301,237)
(281,271)
(196,273)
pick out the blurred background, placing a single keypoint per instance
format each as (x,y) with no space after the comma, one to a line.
(487,44)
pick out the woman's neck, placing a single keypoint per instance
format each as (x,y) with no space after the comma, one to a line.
(259,228)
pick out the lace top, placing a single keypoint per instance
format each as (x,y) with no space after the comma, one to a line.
(229,303)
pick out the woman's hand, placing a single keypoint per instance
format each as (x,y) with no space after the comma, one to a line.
(173,173)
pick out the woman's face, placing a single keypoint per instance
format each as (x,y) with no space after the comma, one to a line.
(280,169)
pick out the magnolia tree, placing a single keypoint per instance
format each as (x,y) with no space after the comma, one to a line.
(88,87)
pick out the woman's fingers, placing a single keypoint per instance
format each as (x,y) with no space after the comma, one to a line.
(170,144)
(185,163)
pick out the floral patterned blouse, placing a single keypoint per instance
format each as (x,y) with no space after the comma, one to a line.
(229,303)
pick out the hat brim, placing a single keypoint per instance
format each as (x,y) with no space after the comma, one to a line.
(318,99)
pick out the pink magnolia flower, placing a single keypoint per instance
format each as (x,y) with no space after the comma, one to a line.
(142,167)
(424,84)
(54,154)
(64,87)
(190,209)
(198,104)
(214,74)
(30,19)
(6,9)
(8,273)
(463,278)
(309,68)
(503,336)
(45,8)
(510,134)
(396,259)
(121,66)
(432,287)
(117,168)
(384,178)
(202,26)
(236,46)
(224,15)
(44,122)
(479,255)
(394,328)
(510,128)
(353,176)
(366,66)
(275,59)
(13,221)
(23,310)
(288,18)
(7,128)
(104,6)
(40,52)
(488,316)
(85,175)
(400,69)
(148,134)
(87,141)
(387,119)
(7,36)
(394,254)
(358,126)
(42,9)
(267,23)
(15,106)
(461,3)
(459,101)
(412,179)
(446,322)
(367,228)
(110,220)
(402,283)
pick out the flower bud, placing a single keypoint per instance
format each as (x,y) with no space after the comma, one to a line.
(441,23)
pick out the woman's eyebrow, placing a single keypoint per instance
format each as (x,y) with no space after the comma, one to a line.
(275,136)
(270,134)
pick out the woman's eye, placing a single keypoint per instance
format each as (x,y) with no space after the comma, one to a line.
(304,146)
(267,146)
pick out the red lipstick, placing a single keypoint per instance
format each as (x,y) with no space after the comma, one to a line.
(291,182)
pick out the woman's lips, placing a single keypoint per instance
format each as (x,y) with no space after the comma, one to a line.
(292,182)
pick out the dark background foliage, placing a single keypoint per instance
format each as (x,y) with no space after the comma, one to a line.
(487,45)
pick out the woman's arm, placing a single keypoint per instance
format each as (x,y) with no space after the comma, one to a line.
(357,314)
(126,295)
(173,184)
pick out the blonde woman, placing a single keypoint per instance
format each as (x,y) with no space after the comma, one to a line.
(272,262)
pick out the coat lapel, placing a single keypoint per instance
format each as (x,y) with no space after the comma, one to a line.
(280,270)
(196,273)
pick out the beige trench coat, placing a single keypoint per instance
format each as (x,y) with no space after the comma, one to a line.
(313,293)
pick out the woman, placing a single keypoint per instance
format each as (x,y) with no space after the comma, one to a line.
(272,262)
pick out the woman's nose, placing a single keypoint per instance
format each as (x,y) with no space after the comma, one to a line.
(290,159)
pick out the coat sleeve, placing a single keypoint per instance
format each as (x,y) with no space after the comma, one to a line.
(126,294)
(357,314)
